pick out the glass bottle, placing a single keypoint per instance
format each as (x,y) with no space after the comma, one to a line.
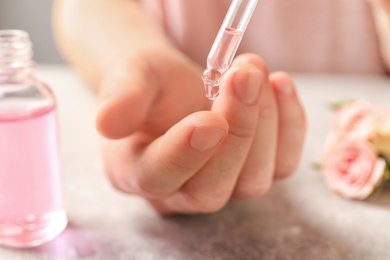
(31,195)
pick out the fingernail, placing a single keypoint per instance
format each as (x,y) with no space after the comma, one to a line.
(285,89)
(205,138)
(240,60)
(247,85)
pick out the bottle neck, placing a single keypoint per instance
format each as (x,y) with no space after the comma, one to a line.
(16,64)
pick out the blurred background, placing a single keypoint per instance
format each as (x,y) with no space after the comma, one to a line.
(33,16)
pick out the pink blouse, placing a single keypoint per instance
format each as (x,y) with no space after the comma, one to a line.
(324,36)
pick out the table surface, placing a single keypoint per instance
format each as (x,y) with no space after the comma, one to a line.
(299,219)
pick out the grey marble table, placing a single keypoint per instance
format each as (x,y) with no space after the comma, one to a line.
(299,219)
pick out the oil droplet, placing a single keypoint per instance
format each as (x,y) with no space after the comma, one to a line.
(211,91)
(211,83)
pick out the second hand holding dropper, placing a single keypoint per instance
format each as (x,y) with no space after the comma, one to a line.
(226,44)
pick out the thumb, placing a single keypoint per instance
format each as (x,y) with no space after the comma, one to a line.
(126,95)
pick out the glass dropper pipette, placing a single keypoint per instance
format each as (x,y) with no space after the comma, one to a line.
(226,44)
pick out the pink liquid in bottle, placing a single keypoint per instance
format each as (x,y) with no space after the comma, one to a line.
(30,181)
(31,206)
(219,60)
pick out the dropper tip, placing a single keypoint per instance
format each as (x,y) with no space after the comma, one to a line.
(211,91)
(210,79)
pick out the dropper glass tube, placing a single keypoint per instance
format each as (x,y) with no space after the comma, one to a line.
(226,44)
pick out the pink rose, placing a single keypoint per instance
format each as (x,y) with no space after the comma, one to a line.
(352,122)
(353,170)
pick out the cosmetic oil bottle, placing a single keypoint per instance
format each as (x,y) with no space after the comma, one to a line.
(31,195)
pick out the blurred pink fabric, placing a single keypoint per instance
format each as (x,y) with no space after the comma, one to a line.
(319,36)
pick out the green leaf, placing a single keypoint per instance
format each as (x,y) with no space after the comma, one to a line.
(339,105)
(316,166)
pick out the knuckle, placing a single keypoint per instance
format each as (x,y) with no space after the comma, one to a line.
(179,162)
(285,170)
(205,203)
(253,189)
(116,183)
(116,178)
(162,188)
(293,135)
(126,67)
(150,189)
(298,120)
(241,131)
(267,111)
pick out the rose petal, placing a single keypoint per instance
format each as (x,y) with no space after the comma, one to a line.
(354,121)
(352,169)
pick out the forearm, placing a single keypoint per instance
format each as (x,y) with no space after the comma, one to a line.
(381,12)
(91,34)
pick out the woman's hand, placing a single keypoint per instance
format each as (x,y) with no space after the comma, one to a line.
(165,141)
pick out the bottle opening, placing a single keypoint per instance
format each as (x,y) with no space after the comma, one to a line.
(15,54)
(13,33)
